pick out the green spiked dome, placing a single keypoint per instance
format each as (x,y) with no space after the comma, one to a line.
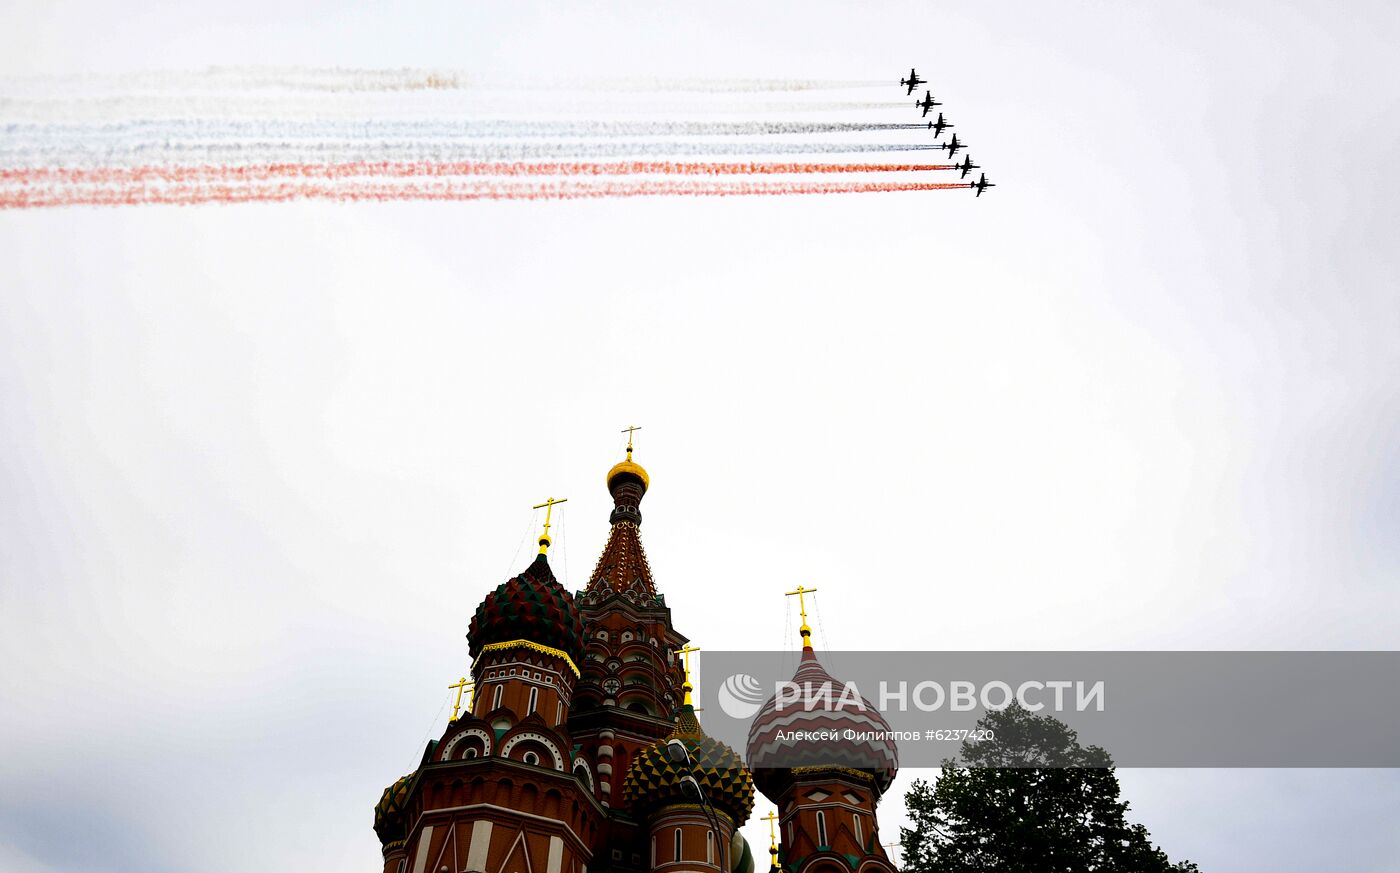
(388,812)
(654,781)
(532,606)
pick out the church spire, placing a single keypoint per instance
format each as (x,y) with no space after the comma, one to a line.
(623,566)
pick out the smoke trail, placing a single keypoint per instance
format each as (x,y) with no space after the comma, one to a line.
(406,79)
(450,191)
(386,169)
(244,104)
(232,152)
(146,129)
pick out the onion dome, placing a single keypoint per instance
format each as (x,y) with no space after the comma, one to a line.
(627,482)
(532,607)
(870,751)
(388,812)
(741,855)
(628,468)
(653,780)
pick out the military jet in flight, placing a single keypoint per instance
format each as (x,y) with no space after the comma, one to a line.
(938,126)
(927,103)
(981,185)
(913,81)
(953,145)
(966,166)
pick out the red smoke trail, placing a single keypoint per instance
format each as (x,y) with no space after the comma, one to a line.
(184,194)
(408,169)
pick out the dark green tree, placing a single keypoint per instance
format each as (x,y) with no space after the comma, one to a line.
(1032,801)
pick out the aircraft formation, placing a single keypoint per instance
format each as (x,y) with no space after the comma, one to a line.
(952,146)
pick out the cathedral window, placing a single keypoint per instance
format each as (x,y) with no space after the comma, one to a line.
(496,701)
(821,829)
(860,837)
(678,844)
(534,698)
(709,847)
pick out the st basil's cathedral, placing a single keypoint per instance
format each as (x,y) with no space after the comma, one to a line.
(567,758)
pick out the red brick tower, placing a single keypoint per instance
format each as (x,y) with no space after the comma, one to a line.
(826,793)
(503,791)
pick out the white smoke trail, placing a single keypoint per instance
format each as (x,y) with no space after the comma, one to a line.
(426,105)
(405,79)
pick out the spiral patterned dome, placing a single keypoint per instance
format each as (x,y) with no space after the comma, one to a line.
(532,606)
(654,781)
(388,812)
(770,754)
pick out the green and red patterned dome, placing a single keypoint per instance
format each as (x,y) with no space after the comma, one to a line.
(653,781)
(533,607)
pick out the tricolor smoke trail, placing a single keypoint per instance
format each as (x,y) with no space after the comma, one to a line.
(249,135)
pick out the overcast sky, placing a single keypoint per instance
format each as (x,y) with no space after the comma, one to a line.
(258,464)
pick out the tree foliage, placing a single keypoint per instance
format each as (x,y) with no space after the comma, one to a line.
(1034,800)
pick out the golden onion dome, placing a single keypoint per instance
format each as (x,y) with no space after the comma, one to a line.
(629,466)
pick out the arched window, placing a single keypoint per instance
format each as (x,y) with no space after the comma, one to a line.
(709,847)
(678,844)
(530,758)
(860,837)
(534,698)
(653,851)
(821,829)
(496,701)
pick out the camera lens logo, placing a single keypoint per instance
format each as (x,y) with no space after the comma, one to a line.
(741,696)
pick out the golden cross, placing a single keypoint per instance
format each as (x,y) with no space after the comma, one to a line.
(629,430)
(685,653)
(771,817)
(462,685)
(802,607)
(548,507)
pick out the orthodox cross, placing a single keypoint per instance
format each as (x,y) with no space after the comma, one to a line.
(802,607)
(771,817)
(548,507)
(685,653)
(462,685)
(629,430)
